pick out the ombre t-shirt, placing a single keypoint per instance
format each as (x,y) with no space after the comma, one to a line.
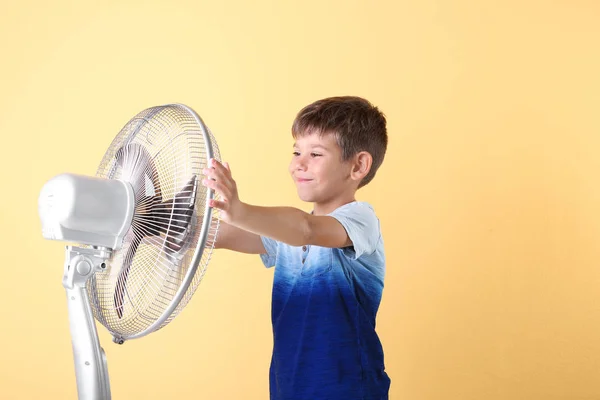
(323,311)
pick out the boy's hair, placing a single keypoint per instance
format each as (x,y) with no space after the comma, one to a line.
(357,125)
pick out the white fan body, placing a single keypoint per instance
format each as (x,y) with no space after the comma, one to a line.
(86,210)
(105,215)
(95,212)
(91,370)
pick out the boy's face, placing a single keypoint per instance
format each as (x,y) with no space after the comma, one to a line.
(317,169)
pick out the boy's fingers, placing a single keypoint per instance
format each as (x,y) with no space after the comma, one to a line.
(217,204)
(217,167)
(220,166)
(213,184)
(220,183)
(214,163)
(208,172)
(213,171)
(222,173)
(219,173)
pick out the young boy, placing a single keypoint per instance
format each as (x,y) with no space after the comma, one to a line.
(329,264)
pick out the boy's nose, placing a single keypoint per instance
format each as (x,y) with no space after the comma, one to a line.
(300,164)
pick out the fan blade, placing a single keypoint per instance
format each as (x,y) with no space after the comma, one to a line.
(180,210)
(183,209)
(120,287)
(149,217)
(139,170)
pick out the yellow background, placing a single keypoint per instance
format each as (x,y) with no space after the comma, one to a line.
(489,196)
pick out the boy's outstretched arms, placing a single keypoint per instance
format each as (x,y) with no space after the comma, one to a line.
(285,224)
(231,238)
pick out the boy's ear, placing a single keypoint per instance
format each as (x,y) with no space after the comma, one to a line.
(362,165)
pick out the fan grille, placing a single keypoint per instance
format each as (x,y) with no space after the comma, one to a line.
(161,152)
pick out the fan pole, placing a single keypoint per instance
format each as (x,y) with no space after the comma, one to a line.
(91,370)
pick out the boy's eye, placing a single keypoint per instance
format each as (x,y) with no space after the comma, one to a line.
(297,153)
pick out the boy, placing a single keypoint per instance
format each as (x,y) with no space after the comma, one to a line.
(330,264)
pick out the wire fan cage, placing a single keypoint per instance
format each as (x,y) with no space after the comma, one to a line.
(148,281)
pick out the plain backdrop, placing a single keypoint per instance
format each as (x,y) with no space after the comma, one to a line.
(488,196)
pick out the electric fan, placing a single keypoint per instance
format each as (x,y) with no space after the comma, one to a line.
(144,232)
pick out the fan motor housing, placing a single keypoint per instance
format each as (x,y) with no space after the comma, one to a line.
(86,210)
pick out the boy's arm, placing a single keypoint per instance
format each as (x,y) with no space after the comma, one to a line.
(292,226)
(285,224)
(232,238)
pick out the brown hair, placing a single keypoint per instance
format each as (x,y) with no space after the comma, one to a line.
(357,125)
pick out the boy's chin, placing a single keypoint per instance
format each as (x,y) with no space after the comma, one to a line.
(307,197)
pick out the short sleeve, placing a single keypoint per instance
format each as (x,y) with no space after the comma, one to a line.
(270,256)
(362,225)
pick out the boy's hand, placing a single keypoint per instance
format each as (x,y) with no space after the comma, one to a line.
(218,178)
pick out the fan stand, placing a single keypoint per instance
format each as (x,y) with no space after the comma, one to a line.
(91,370)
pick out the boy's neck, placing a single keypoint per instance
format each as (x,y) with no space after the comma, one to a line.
(330,206)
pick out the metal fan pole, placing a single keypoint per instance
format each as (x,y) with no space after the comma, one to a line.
(91,370)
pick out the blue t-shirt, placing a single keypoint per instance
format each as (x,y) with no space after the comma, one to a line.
(323,311)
